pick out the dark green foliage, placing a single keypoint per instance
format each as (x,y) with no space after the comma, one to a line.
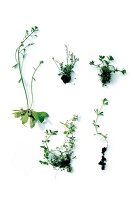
(66,70)
(20,55)
(61,157)
(105,75)
(106,69)
(99,113)
(105,101)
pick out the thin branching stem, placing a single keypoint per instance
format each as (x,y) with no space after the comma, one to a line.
(21,75)
(32,79)
(99,113)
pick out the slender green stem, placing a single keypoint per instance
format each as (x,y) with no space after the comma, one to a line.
(67,53)
(96,124)
(28,36)
(30,44)
(35,70)
(96,120)
(23,84)
(56,62)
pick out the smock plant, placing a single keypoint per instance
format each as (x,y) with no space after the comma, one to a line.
(20,55)
(60,157)
(106,69)
(100,113)
(66,69)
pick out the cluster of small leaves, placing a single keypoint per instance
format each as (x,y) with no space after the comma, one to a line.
(106,69)
(99,113)
(20,55)
(66,69)
(61,157)
(103,159)
(31,116)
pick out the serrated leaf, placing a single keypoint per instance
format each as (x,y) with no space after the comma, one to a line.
(24,118)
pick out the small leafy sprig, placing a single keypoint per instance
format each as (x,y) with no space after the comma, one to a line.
(61,157)
(99,113)
(66,70)
(20,55)
(106,69)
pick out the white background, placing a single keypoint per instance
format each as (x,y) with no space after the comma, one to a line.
(91,28)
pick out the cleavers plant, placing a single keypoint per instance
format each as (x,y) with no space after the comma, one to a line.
(99,113)
(20,55)
(61,157)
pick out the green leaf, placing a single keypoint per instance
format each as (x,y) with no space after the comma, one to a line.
(15,66)
(110,58)
(17,114)
(92,62)
(24,118)
(97,125)
(19,80)
(32,122)
(124,71)
(36,28)
(105,101)
(101,57)
(40,116)
(101,113)
(43,162)
(35,115)
(107,63)
(94,122)
(96,111)
(54,132)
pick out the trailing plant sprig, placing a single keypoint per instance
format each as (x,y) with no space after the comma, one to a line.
(20,55)
(66,70)
(99,112)
(61,157)
(106,69)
